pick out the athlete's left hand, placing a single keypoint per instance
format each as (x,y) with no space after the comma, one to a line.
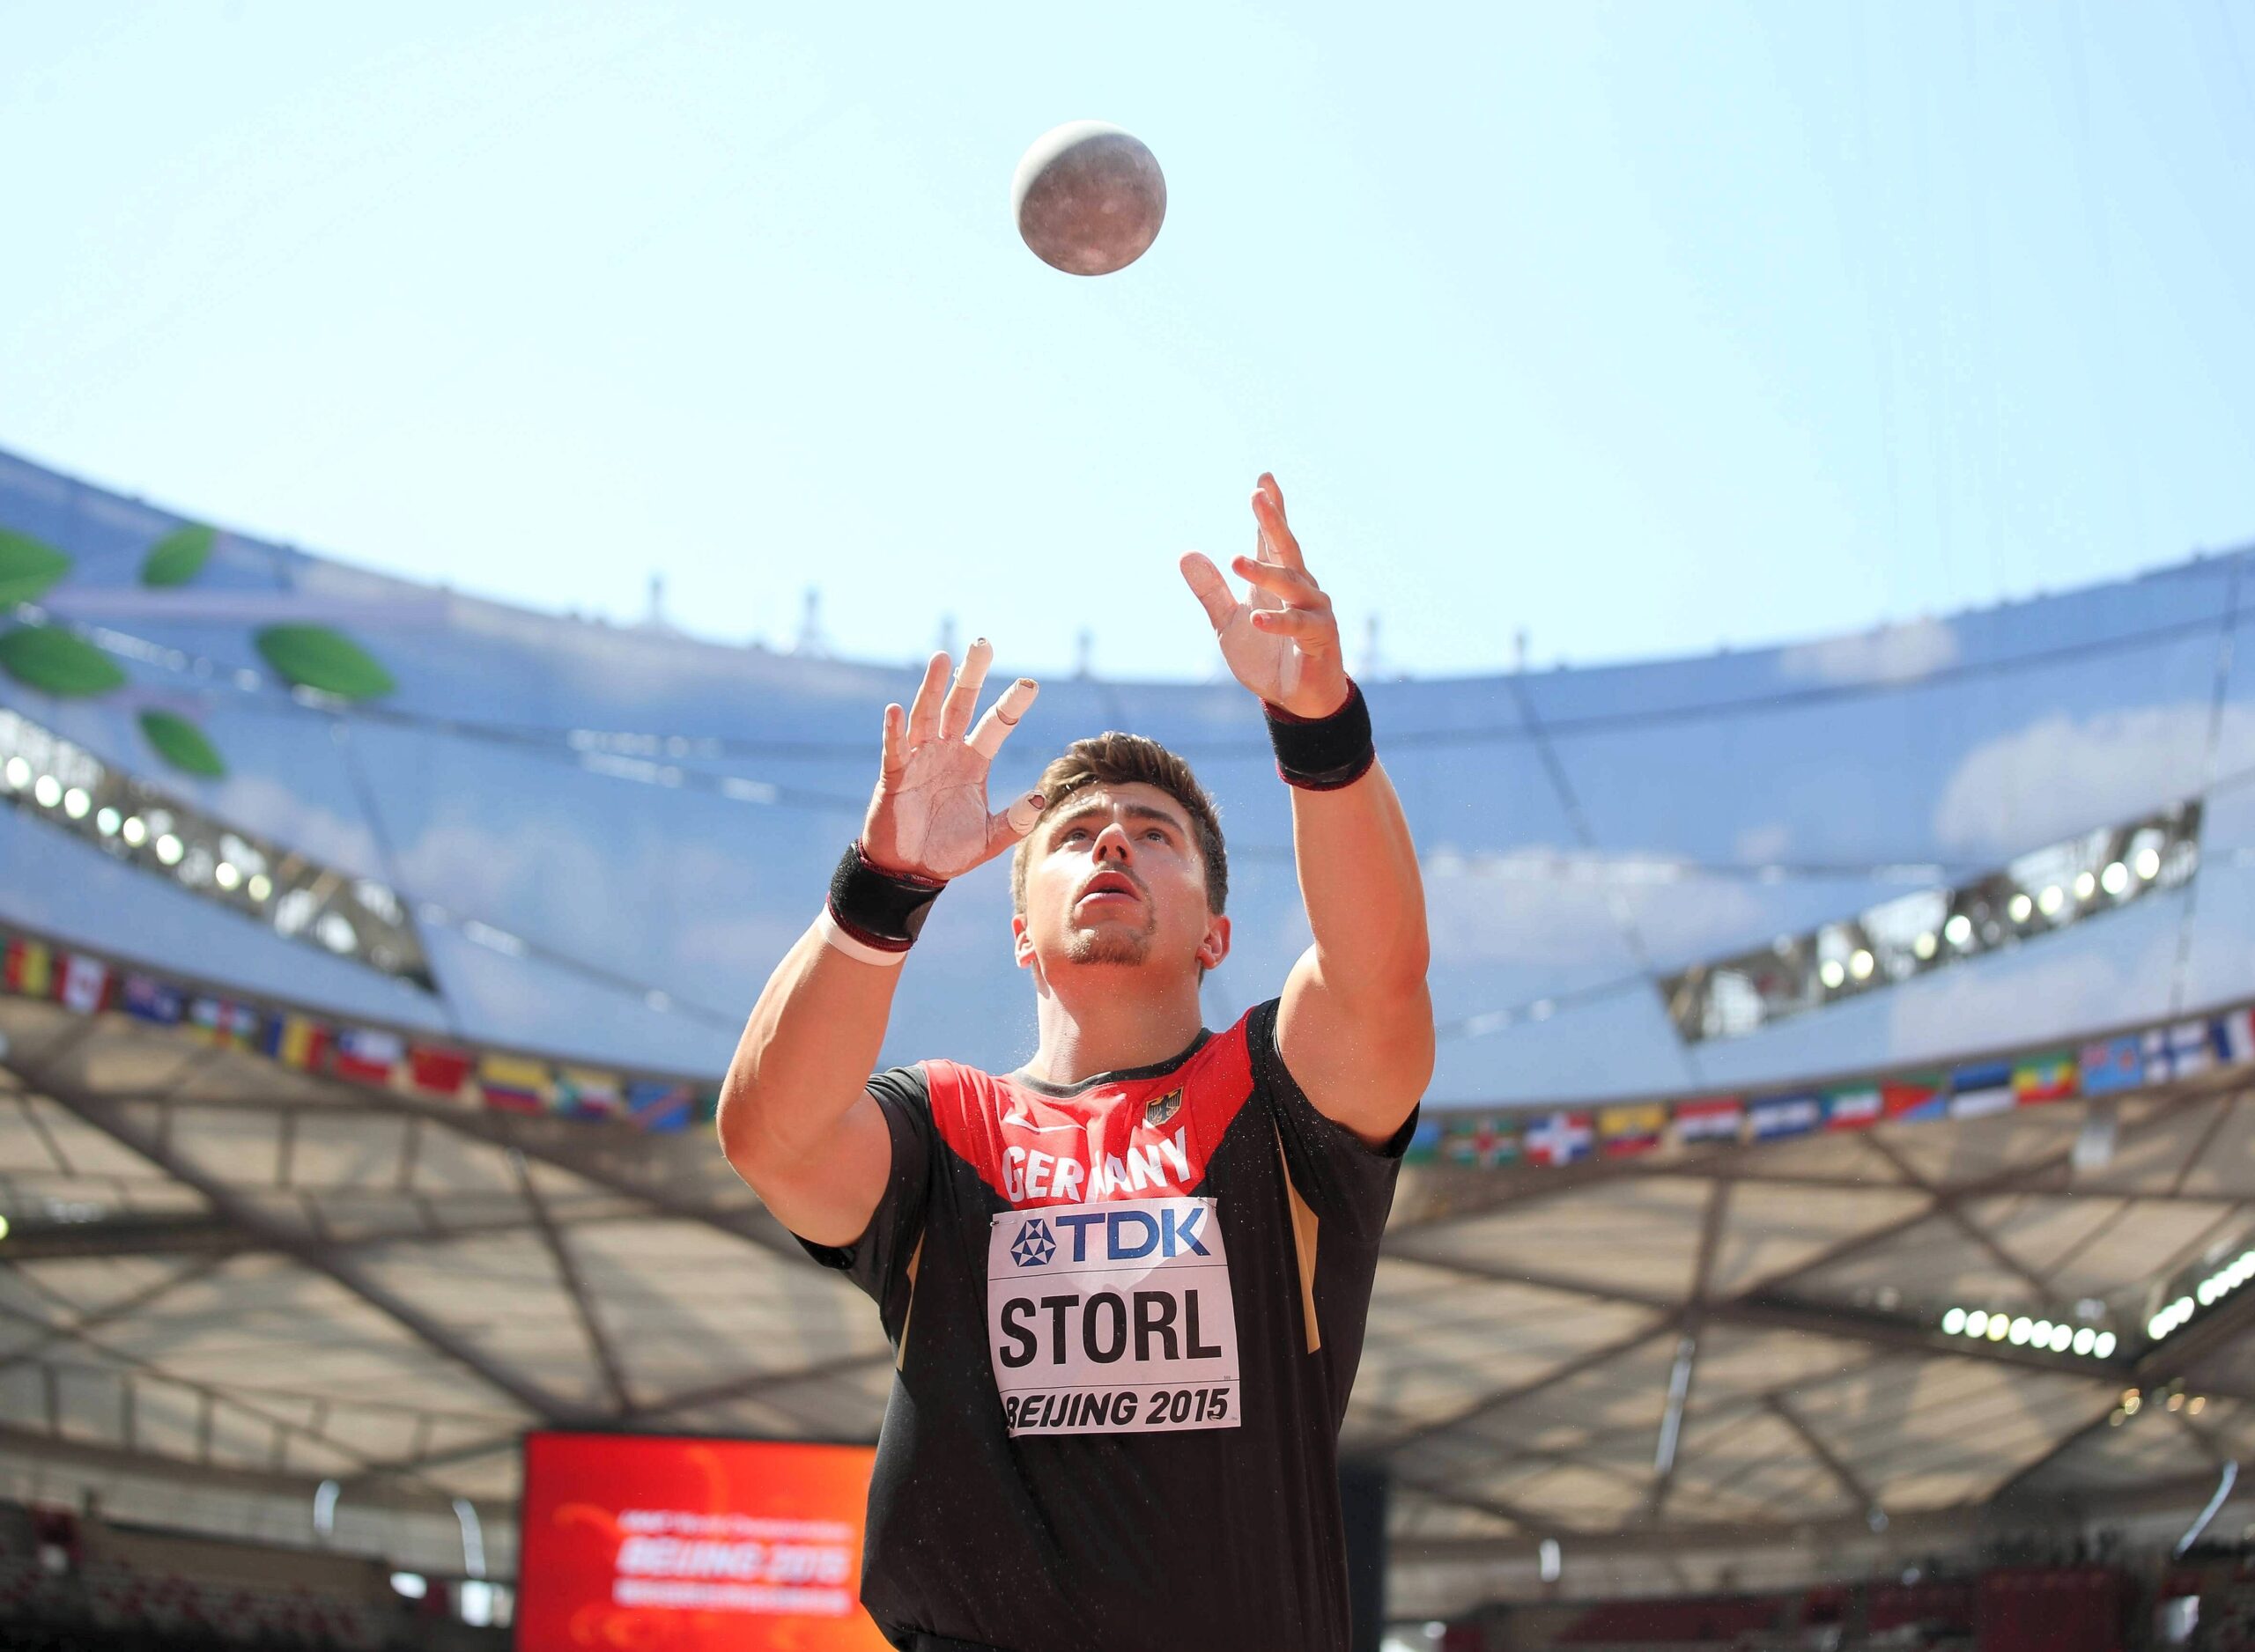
(1282,644)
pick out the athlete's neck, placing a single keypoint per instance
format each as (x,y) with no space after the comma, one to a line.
(1103,1018)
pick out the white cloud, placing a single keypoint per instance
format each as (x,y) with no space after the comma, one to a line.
(256,803)
(2058,987)
(1894,653)
(1544,906)
(2062,775)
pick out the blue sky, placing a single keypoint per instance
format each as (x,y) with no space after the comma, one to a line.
(1643,327)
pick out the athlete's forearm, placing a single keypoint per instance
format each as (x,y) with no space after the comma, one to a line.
(813,1040)
(1359,879)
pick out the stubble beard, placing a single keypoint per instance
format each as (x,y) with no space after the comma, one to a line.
(1109,945)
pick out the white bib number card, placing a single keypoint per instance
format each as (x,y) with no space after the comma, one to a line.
(1113,1318)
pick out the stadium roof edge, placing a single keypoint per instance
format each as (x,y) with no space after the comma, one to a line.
(674,638)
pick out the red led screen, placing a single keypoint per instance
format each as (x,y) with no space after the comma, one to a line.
(644,1544)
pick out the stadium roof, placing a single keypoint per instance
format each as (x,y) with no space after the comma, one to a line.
(232,1280)
(249,1279)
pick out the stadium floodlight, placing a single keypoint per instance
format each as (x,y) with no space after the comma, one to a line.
(2104,1348)
(1977,1323)
(2085,1338)
(1953,1322)
(2019,1330)
(2034,895)
(126,819)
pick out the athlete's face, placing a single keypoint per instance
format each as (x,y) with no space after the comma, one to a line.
(1115,876)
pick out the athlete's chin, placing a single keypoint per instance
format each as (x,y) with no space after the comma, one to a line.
(1096,946)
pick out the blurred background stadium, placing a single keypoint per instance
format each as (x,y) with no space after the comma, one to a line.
(1838,1173)
(1833,1218)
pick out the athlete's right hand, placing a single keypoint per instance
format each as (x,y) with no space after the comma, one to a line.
(929,815)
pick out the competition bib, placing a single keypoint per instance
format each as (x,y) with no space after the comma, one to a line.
(1113,1318)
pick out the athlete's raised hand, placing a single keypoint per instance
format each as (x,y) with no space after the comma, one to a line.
(1284,643)
(928,814)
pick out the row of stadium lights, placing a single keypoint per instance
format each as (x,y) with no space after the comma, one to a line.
(2144,867)
(357,917)
(2023,1332)
(2039,893)
(2207,1294)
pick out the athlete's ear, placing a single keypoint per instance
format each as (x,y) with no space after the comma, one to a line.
(1021,942)
(1215,946)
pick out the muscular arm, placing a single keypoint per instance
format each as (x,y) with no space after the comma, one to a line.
(796,1120)
(1356,1025)
(1357,1021)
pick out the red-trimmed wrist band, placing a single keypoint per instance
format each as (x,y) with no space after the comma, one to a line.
(873,914)
(1322,753)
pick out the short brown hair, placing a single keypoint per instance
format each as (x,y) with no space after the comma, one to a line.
(1112,758)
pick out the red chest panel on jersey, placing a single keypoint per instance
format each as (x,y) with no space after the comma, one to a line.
(1125,1139)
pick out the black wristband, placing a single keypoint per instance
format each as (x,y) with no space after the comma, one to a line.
(1322,753)
(880,909)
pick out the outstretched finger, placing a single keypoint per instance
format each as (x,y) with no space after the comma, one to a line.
(1316,633)
(1005,827)
(895,743)
(1212,589)
(1275,532)
(1003,716)
(962,699)
(1297,587)
(924,712)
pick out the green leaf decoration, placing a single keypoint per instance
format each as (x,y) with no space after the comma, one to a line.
(179,556)
(181,743)
(314,656)
(56,662)
(28,567)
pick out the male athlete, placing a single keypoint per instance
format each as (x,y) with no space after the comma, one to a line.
(1126,1285)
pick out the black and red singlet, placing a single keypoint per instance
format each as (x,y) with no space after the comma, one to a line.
(1125,1315)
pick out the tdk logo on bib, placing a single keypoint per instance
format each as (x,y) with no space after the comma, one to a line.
(1116,1233)
(1113,1318)
(1033,1246)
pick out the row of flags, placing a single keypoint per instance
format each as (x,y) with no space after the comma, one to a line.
(435,1070)
(1974,1090)
(377,1057)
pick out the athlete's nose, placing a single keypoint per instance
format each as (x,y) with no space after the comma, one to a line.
(1113,844)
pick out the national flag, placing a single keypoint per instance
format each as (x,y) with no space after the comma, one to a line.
(436,1070)
(2236,1036)
(1779,1116)
(1560,1138)
(584,1092)
(512,1084)
(295,1040)
(1623,1133)
(85,986)
(1981,1089)
(366,1055)
(1487,1141)
(2178,1051)
(1710,1118)
(2053,1077)
(1913,1100)
(2111,1065)
(1855,1107)
(27,968)
(222,1023)
(1497,1141)
(147,998)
